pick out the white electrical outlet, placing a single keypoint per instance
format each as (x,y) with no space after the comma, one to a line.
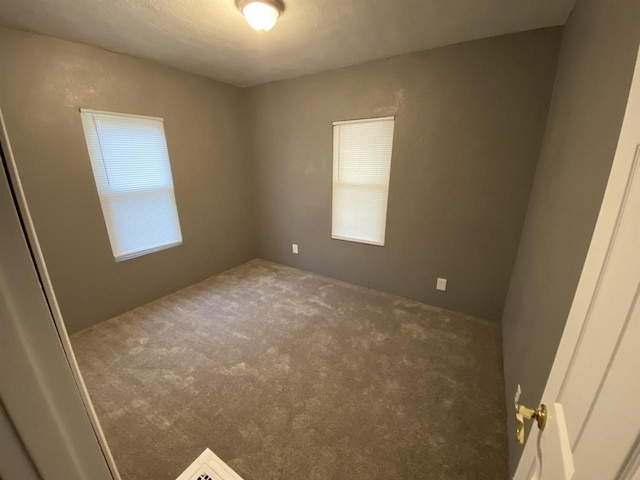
(516,397)
(294,248)
(441,284)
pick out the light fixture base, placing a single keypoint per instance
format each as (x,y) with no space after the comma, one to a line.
(277,4)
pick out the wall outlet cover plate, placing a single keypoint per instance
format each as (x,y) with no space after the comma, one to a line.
(208,466)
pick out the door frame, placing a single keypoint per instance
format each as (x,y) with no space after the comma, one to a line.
(626,161)
(41,385)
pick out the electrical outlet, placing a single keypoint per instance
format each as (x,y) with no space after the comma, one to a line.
(441,284)
(516,397)
(294,248)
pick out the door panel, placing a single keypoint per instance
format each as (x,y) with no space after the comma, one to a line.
(607,315)
(612,427)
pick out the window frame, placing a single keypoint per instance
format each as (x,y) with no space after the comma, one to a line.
(370,187)
(104,190)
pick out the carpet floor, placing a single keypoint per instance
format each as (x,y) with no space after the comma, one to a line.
(289,375)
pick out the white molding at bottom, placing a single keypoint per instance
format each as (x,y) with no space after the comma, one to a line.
(208,466)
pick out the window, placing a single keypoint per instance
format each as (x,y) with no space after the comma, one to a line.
(361,167)
(131,168)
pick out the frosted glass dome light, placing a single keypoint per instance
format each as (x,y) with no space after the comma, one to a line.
(262,15)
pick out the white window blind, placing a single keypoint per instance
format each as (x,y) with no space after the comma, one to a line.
(131,168)
(361,168)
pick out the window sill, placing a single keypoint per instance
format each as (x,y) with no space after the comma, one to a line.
(140,253)
(357,240)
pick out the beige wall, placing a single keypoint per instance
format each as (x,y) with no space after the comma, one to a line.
(596,63)
(469,124)
(44,82)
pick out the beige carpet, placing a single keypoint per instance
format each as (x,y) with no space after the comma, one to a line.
(290,375)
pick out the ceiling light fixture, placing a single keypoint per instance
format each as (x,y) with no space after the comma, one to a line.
(261,14)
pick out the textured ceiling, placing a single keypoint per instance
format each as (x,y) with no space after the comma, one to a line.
(211,37)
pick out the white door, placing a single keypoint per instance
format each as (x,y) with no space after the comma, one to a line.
(593,390)
(45,405)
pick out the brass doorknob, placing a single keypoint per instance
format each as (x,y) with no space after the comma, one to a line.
(522,413)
